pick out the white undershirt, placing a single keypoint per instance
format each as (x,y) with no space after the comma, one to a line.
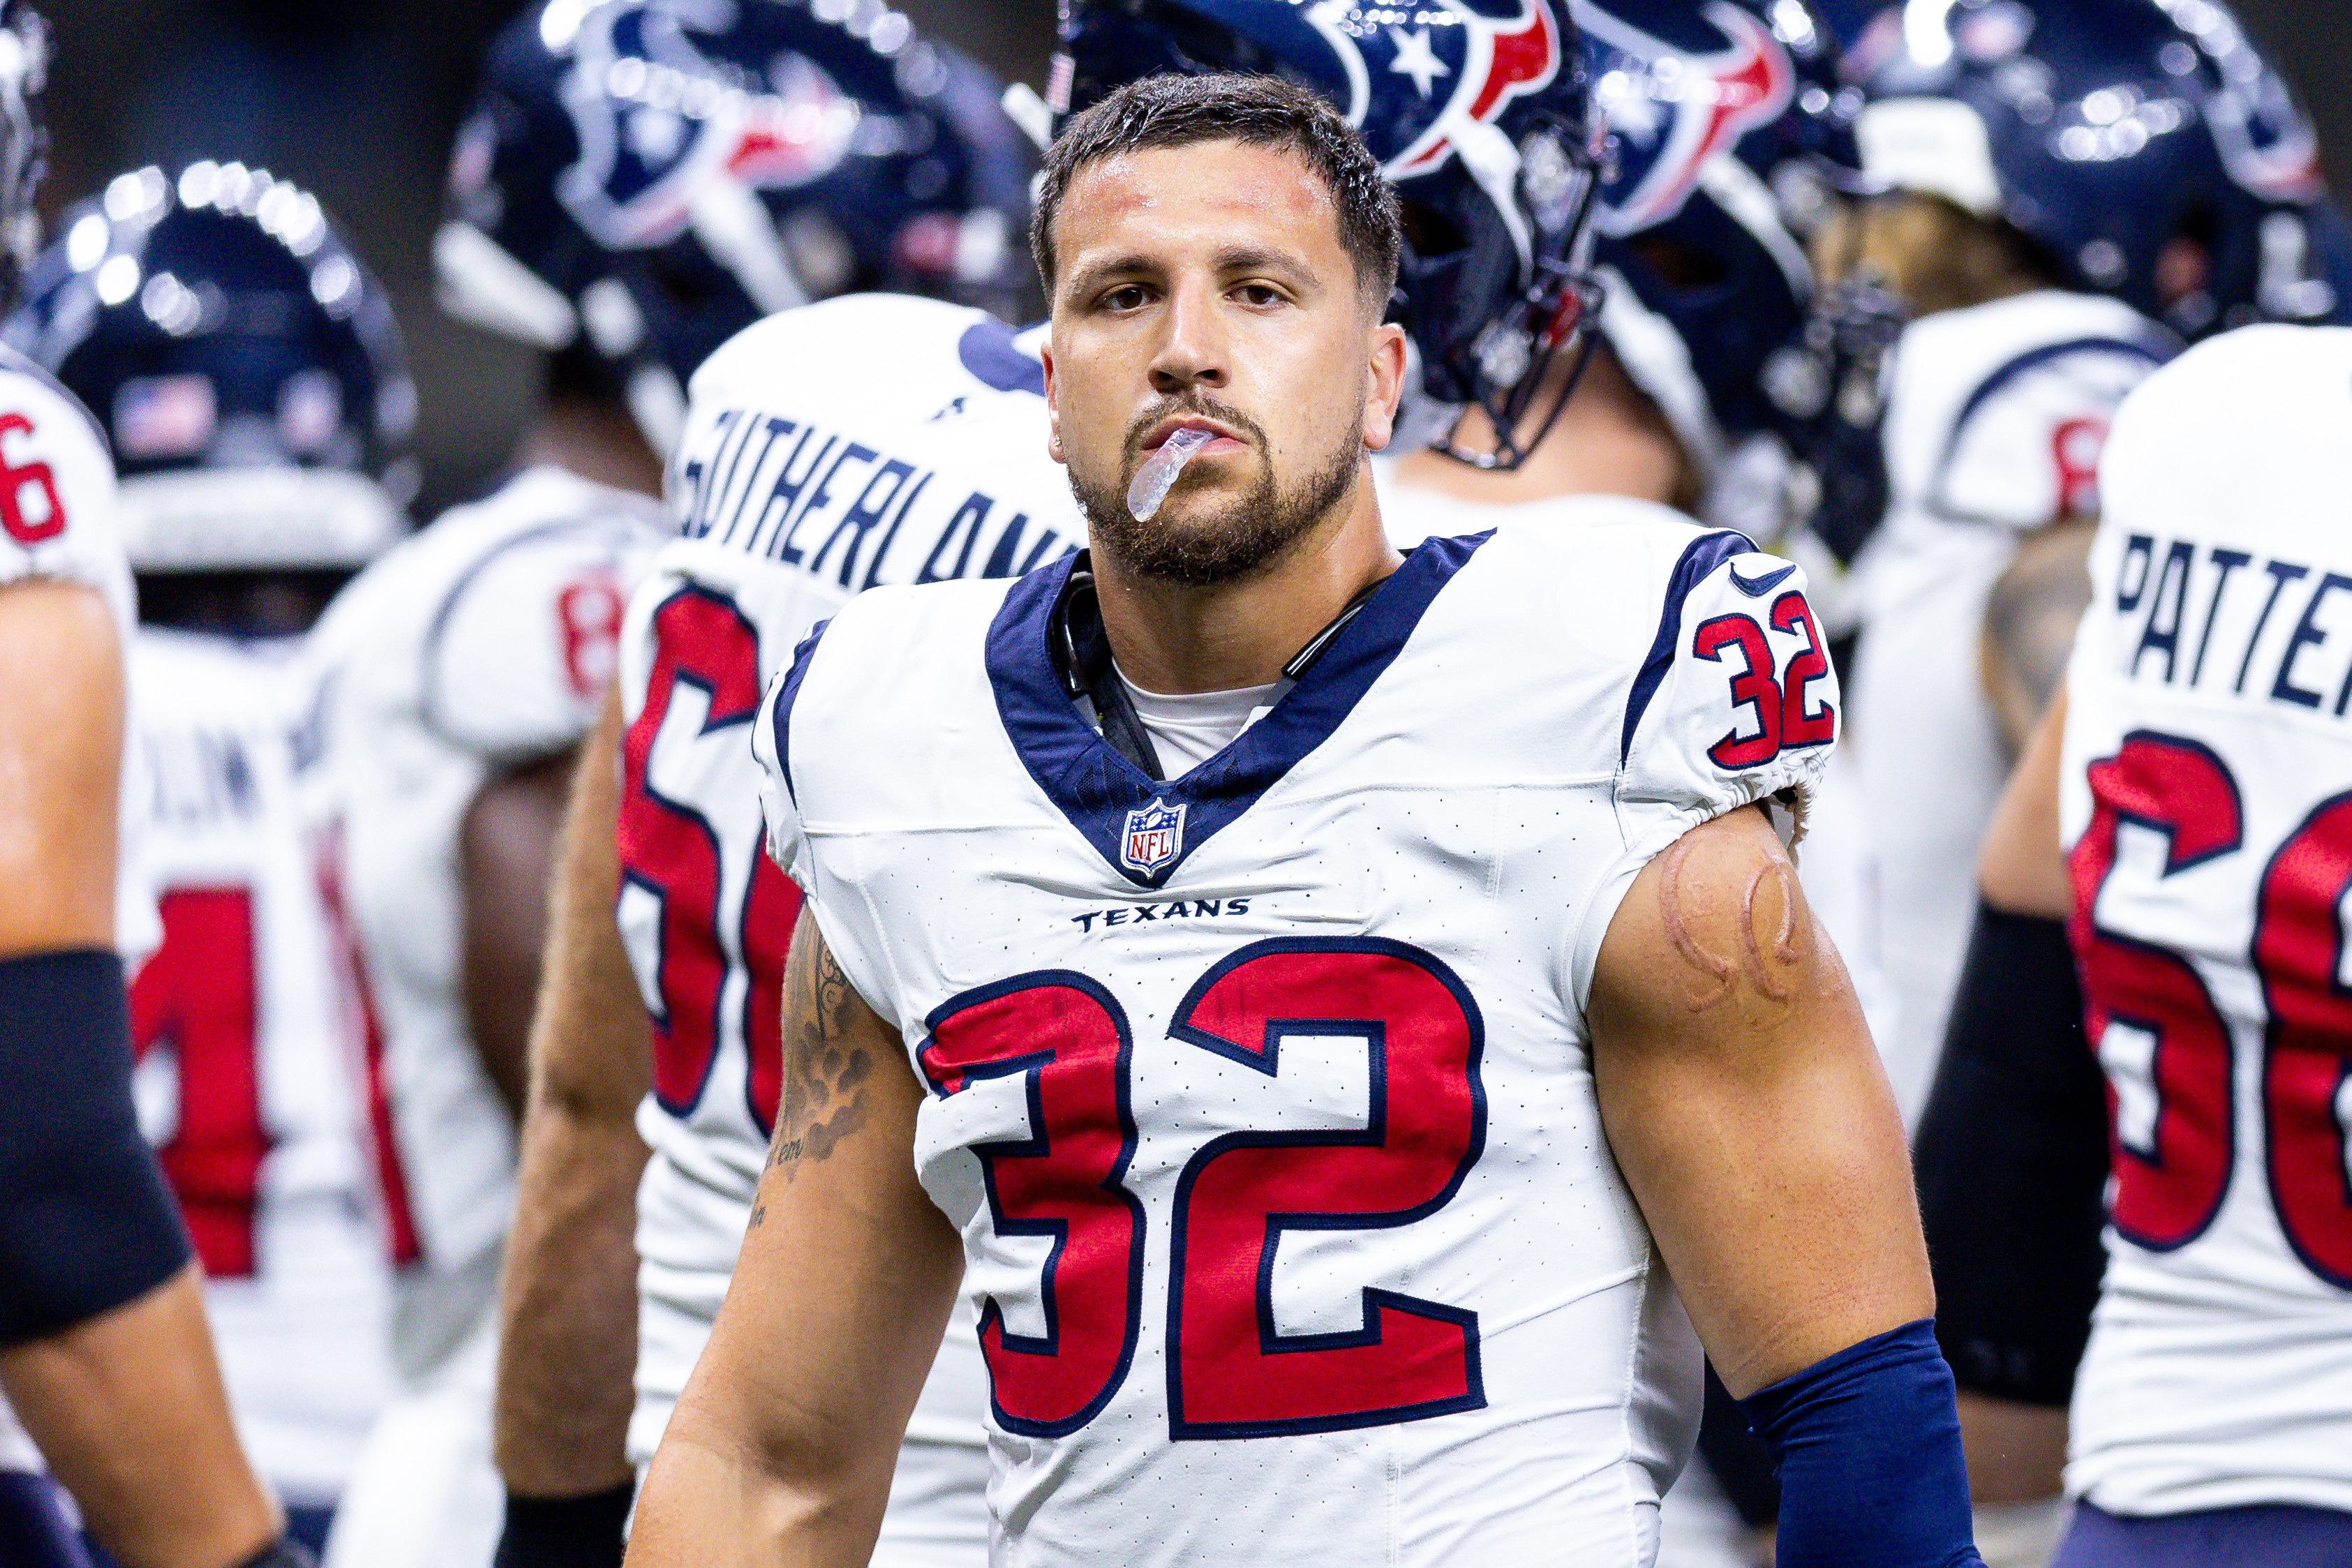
(1188,730)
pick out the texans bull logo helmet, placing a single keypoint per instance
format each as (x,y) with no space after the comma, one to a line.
(1478,111)
(1729,133)
(639,180)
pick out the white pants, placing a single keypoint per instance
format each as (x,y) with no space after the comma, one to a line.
(425,1493)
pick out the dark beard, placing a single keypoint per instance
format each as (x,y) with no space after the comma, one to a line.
(1253,531)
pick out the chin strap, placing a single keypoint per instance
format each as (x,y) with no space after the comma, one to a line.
(1082,649)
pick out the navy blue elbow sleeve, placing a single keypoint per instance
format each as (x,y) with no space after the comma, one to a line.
(1869,1445)
(85,1222)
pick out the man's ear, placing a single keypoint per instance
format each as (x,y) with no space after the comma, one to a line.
(1383,385)
(1052,405)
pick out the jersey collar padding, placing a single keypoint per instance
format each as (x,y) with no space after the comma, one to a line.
(1096,787)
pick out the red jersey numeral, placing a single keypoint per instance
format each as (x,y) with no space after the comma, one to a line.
(1786,714)
(196,999)
(2307,1060)
(1231,1372)
(1752,688)
(1064,1037)
(46,519)
(2165,1046)
(2169,1093)
(708,655)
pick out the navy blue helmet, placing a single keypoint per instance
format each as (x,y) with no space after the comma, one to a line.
(642,179)
(2103,131)
(242,363)
(24,139)
(1478,110)
(1730,133)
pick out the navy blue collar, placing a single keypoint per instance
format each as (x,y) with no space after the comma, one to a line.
(1145,829)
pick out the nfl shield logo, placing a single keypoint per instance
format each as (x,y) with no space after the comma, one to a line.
(1155,836)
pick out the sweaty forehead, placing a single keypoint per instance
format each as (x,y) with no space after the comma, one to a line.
(1224,188)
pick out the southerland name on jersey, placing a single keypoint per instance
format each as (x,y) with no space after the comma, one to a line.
(2213,619)
(795,493)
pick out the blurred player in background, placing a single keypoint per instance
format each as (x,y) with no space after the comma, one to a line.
(467,667)
(2073,191)
(885,437)
(2182,811)
(249,378)
(104,1348)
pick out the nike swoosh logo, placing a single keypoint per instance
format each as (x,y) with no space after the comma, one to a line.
(1758,588)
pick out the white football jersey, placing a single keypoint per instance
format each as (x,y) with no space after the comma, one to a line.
(1833,859)
(482,641)
(57,520)
(2206,805)
(248,1058)
(1262,1096)
(919,453)
(1994,420)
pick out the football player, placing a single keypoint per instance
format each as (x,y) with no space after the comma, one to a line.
(2073,191)
(2182,813)
(105,1352)
(831,446)
(251,386)
(1324,1072)
(467,667)
(2076,190)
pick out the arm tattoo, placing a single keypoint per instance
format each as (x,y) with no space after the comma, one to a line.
(825,1073)
(2028,626)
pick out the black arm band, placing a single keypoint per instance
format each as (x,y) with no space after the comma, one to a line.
(85,1222)
(2012,1156)
(565,1532)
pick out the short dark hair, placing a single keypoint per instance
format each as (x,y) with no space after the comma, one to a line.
(1258,111)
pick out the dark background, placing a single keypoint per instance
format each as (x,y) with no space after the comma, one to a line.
(358,99)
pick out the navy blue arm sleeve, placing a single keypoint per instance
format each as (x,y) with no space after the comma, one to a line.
(2011,1159)
(1869,1444)
(85,1222)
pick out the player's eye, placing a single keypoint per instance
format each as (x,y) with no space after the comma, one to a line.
(1258,293)
(1126,296)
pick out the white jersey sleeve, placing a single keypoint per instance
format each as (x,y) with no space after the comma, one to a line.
(56,490)
(521,651)
(1998,412)
(1734,704)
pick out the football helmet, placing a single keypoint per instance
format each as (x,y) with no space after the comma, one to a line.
(1478,111)
(2104,129)
(1730,133)
(242,363)
(642,179)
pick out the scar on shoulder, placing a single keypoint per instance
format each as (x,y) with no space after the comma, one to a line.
(1753,957)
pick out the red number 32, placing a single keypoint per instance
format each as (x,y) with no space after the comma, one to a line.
(1232,1372)
(1785,714)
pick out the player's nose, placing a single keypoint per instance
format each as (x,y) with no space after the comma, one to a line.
(1194,349)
